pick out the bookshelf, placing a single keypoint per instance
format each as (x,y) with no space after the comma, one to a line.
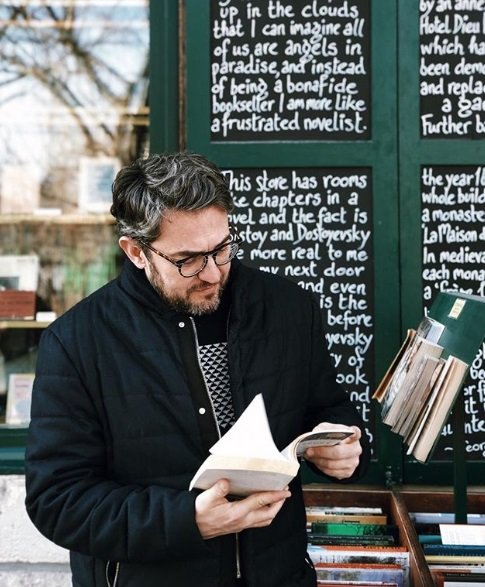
(392,503)
(417,401)
(398,503)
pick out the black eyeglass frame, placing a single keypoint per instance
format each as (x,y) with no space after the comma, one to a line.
(234,242)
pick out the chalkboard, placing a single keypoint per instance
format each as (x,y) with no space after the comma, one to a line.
(289,70)
(453,236)
(249,65)
(314,226)
(452,68)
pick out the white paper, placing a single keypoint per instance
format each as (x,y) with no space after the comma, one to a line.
(250,436)
(463,534)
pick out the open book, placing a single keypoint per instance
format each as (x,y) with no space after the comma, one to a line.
(248,457)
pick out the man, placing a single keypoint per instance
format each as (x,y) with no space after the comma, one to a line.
(135,384)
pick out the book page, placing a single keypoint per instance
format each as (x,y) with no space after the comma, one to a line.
(433,397)
(446,395)
(328,435)
(405,374)
(383,386)
(250,436)
(430,329)
(418,393)
(470,534)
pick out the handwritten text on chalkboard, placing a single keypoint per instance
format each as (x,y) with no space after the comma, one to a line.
(314,226)
(452,68)
(282,69)
(453,230)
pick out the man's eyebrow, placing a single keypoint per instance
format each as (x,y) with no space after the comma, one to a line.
(187,253)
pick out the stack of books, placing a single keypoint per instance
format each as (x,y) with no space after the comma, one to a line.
(455,553)
(356,545)
(419,389)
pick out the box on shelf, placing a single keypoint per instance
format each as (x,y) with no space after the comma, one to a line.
(17,305)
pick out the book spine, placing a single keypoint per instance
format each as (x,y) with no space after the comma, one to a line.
(381,540)
(454,549)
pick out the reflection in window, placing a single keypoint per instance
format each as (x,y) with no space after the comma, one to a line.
(73,100)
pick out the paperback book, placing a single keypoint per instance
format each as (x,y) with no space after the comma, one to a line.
(398,555)
(342,540)
(361,572)
(354,529)
(348,518)
(248,458)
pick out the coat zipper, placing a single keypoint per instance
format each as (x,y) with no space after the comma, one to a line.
(194,329)
(117,570)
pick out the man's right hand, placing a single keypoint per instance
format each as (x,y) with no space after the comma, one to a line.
(216,515)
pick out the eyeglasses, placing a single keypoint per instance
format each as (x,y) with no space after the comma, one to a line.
(191,266)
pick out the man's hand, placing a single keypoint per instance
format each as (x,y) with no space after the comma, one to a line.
(338,461)
(215,515)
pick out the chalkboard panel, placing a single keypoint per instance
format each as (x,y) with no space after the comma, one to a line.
(314,226)
(452,68)
(290,70)
(453,231)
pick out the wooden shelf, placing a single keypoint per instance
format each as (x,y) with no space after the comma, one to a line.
(73,219)
(22,324)
(392,504)
(425,498)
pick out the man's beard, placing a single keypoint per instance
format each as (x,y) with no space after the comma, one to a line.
(183,304)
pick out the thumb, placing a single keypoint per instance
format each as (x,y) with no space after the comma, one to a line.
(356,436)
(219,489)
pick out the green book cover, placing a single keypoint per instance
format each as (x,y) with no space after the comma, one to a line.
(463,316)
(352,529)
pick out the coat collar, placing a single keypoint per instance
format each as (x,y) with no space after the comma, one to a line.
(135,283)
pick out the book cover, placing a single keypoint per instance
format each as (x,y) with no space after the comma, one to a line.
(455,549)
(248,457)
(349,518)
(361,572)
(458,578)
(410,373)
(470,559)
(354,529)
(323,509)
(418,395)
(19,398)
(343,540)
(362,554)
(443,398)
(417,418)
(437,518)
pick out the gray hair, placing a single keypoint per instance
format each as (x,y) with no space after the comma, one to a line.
(146,189)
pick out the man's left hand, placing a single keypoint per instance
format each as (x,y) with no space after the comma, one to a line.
(340,460)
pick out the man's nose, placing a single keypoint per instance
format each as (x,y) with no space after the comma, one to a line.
(211,272)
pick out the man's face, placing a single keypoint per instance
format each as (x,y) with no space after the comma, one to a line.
(184,234)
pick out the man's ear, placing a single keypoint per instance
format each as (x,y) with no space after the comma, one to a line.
(133,251)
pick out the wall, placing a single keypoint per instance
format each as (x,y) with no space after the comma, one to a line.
(27,559)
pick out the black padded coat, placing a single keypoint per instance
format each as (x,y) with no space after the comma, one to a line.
(116,434)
